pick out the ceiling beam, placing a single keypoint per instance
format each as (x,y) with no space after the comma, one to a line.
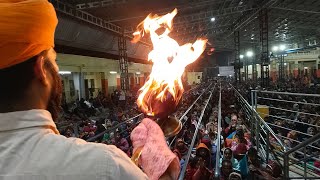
(98,4)
(184,22)
(251,15)
(90,19)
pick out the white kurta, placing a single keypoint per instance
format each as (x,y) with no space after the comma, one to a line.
(31,148)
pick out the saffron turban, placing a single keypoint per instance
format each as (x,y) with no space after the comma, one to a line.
(26,29)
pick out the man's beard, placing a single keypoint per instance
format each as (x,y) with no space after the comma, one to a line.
(54,103)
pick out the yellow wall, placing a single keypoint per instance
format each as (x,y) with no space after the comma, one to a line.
(192,77)
(94,68)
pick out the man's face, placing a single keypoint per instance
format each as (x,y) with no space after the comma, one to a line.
(54,102)
(226,169)
(203,152)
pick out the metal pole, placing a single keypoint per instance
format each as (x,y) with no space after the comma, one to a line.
(286,166)
(217,168)
(253,122)
(305,162)
(257,120)
(187,111)
(268,147)
(113,129)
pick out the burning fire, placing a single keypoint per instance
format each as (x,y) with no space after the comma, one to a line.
(160,95)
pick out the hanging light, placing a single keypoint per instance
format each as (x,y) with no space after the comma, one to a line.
(249,53)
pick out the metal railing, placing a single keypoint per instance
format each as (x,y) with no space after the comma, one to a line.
(303,146)
(188,110)
(114,128)
(296,155)
(261,133)
(184,168)
(218,155)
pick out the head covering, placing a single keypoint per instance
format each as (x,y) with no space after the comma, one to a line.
(205,139)
(26,29)
(202,145)
(235,175)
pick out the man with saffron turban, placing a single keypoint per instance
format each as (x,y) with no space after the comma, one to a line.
(30,95)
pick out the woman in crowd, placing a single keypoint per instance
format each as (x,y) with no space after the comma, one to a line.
(228,154)
(240,141)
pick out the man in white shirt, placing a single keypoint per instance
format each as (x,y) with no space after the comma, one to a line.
(30,96)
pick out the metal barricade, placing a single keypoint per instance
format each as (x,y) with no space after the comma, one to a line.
(218,155)
(188,110)
(295,119)
(184,168)
(269,135)
(261,131)
(113,129)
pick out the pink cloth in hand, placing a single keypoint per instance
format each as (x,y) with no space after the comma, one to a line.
(156,155)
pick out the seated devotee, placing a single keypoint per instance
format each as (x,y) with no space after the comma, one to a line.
(242,125)
(274,169)
(226,169)
(253,159)
(204,152)
(232,126)
(121,143)
(192,167)
(202,173)
(235,176)
(181,149)
(227,154)
(239,142)
(69,132)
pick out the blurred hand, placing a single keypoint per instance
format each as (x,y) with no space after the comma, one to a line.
(201,163)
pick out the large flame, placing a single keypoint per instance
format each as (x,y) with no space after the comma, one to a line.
(164,88)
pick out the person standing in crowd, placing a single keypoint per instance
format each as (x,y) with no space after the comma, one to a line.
(30,97)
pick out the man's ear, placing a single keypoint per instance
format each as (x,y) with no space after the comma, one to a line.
(40,71)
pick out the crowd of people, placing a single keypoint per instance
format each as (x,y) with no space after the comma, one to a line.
(239,159)
(293,117)
(102,119)
(95,121)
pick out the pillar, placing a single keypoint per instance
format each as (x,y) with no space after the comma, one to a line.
(78,79)
(296,69)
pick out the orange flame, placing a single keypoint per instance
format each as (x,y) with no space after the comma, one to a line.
(169,62)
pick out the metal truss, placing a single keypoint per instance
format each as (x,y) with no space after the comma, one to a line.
(281,69)
(123,61)
(264,40)
(237,66)
(207,31)
(97,4)
(249,16)
(187,22)
(89,18)
(207,15)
